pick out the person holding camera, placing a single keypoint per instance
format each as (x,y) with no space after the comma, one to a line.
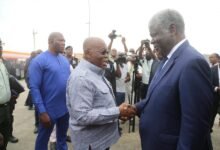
(121,81)
(121,64)
(149,65)
(112,70)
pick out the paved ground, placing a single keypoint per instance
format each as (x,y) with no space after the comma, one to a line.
(24,126)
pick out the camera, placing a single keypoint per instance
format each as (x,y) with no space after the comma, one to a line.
(121,58)
(146,42)
(112,35)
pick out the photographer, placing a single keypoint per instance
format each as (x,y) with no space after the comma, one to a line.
(120,63)
(112,70)
(149,64)
(121,81)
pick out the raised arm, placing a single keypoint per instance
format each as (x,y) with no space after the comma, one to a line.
(123,40)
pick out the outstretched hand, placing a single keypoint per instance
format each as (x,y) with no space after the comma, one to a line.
(127,111)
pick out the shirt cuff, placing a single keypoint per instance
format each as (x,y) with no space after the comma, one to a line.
(115,110)
(41,108)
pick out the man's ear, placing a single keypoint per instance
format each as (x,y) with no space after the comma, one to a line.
(50,41)
(87,53)
(172,28)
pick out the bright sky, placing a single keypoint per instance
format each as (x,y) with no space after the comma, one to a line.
(18,19)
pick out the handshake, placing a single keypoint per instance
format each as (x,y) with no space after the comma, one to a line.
(127,111)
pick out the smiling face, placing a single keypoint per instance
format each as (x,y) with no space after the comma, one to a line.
(162,39)
(166,29)
(95,51)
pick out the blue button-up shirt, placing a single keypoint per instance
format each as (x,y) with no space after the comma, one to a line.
(48,74)
(92,108)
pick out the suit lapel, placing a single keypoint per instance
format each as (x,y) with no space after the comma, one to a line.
(163,72)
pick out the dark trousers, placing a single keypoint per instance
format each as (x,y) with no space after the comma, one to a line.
(62,124)
(4,124)
(12,107)
(214,110)
(144,88)
(28,101)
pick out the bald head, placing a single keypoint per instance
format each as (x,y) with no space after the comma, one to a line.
(91,43)
(95,51)
(56,42)
(54,35)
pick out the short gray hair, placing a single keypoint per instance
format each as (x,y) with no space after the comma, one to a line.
(167,17)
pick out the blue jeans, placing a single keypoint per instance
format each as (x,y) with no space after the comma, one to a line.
(120,98)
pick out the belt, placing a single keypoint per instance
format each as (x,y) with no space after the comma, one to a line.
(4,105)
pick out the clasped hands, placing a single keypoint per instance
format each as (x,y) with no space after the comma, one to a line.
(127,111)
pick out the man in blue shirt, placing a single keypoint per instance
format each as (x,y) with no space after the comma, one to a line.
(48,74)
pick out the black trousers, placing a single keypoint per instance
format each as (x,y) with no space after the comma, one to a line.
(11,110)
(214,111)
(28,101)
(4,123)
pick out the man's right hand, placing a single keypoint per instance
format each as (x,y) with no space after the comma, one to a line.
(127,111)
(45,120)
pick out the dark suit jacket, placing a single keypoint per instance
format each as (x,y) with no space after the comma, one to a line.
(215,83)
(215,80)
(177,110)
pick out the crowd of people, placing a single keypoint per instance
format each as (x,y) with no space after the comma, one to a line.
(176,91)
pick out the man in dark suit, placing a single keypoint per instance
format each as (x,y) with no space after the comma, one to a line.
(69,55)
(214,60)
(176,113)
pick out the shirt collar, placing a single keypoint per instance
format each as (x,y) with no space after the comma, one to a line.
(175,48)
(92,67)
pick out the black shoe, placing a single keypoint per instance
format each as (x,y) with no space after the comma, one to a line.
(30,108)
(13,139)
(36,130)
(68,139)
